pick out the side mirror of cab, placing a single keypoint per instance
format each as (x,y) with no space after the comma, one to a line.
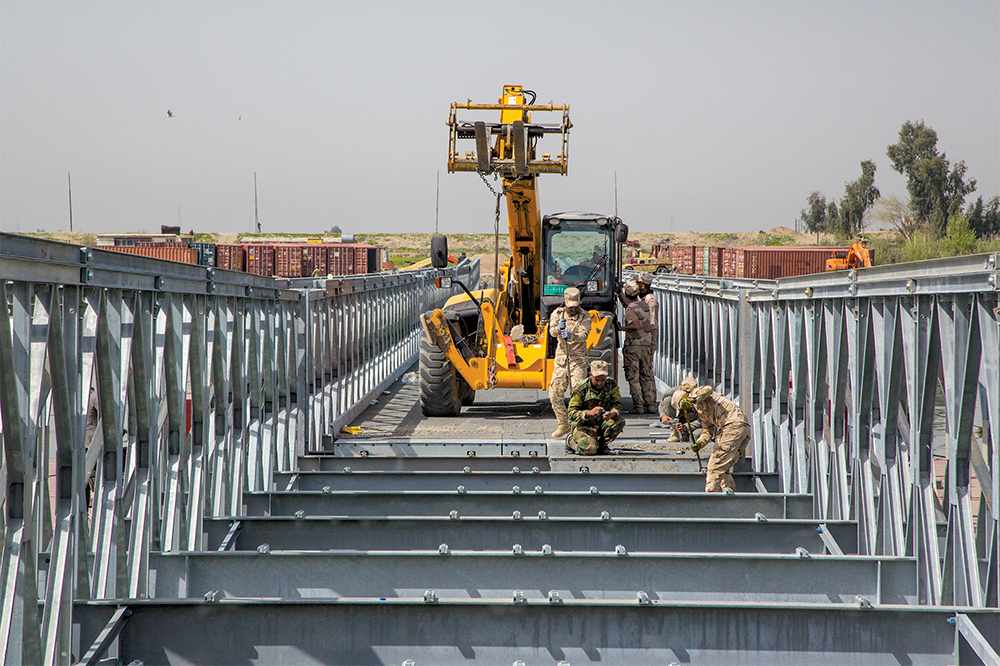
(439,251)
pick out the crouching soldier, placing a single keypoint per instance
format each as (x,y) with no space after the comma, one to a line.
(722,417)
(595,412)
(678,412)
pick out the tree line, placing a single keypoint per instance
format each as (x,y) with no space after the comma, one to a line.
(937,192)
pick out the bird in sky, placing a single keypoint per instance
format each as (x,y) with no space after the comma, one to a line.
(170,114)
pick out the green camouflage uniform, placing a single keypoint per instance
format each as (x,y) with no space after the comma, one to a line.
(590,434)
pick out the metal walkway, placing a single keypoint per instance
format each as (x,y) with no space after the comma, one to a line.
(218,515)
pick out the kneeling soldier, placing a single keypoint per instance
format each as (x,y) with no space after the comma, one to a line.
(723,418)
(677,410)
(595,412)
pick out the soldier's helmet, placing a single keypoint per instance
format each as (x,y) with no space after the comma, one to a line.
(631,289)
(688,384)
(571,297)
(645,278)
(701,393)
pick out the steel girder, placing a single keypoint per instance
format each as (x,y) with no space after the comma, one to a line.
(529,503)
(130,338)
(444,631)
(723,578)
(839,373)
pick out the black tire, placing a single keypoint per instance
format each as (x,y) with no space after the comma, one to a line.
(438,383)
(662,269)
(606,348)
(466,393)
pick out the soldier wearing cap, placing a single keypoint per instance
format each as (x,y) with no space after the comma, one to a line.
(721,417)
(595,412)
(676,406)
(637,356)
(645,281)
(570,326)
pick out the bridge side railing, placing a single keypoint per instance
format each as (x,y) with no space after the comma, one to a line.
(197,386)
(839,373)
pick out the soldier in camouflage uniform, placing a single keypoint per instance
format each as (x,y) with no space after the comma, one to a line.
(637,354)
(676,404)
(570,326)
(723,418)
(645,281)
(595,412)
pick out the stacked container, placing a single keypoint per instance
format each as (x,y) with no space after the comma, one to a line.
(207,255)
(683,258)
(260,259)
(229,256)
(287,260)
(169,251)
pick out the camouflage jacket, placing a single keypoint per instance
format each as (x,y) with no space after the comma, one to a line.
(716,412)
(638,311)
(585,398)
(578,327)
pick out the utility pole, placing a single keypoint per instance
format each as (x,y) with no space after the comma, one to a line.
(69,181)
(256,219)
(437,203)
(616,194)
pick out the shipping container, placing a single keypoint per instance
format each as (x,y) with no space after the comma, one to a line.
(229,256)
(287,260)
(314,260)
(207,255)
(683,258)
(260,259)
(715,261)
(771,263)
(340,259)
(166,251)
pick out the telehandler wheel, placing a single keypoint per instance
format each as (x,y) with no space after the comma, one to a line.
(439,394)
(466,393)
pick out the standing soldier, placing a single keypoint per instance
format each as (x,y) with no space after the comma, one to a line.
(645,281)
(595,412)
(636,354)
(570,325)
(723,418)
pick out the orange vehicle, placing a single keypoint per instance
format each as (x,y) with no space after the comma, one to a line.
(856,256)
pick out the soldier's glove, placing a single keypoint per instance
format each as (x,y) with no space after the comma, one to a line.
(564,333)
(562,324)
(686,404)
(697,446)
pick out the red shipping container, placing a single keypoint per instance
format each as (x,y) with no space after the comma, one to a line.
(229,256)
(166,251)
(314,260)
(288,260)
(260,259)
(715,261)
(682,257)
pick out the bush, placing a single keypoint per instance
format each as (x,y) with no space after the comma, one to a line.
(960,239)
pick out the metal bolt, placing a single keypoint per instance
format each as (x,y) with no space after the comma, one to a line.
(516,490)
(519,597)
(430,596)
(471,454)
(542,515)
(517,515)
(546,549)
(212,595)
(620,550)
(300,514)
(605,515)
(347,470)
(593,490)
(863,602)
(642,598)
(515,470)
(518,550)
(263,549)
(443,549)
(467,469)
(538,490)
(584,470)
(554,597)
(326,489)
(728,491)
(802,552)
(461,490)
(409,662)
(453,515)
(515,453)
(761,518)
(532,454)
(534,470)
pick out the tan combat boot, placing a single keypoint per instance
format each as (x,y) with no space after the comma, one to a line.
(673,438)
(561,431)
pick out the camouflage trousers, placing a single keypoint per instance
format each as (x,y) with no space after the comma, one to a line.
(560,382)
(638,361)
(588,440)
(729,446)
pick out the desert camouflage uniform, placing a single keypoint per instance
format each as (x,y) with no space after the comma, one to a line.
(590,434)
(575,350)
(654,318)
(723,418)
(637,357)
(670,406)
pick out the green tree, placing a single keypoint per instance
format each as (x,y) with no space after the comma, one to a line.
(833,223)
(937,190)
(960,239)
(814,214)
(859,196)
(335,230)
(984,219)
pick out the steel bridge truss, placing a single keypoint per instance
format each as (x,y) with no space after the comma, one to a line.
(840,373)
(273,369)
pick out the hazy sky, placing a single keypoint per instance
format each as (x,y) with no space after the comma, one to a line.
(716,116)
